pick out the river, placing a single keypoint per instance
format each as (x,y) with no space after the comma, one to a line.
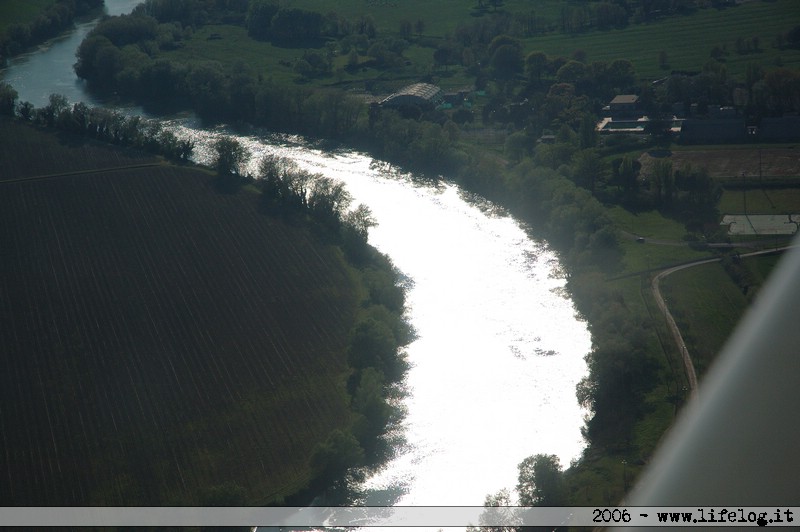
(499,349)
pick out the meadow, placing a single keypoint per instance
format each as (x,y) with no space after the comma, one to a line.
(439,18)
(761,201)
(161,338)
(707,305)
(687,40)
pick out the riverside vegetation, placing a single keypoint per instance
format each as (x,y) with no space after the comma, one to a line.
(130,371)
(25,24)
(238,61)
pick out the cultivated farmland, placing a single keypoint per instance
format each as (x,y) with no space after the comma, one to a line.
(25,152)
(160,338)
(727,165)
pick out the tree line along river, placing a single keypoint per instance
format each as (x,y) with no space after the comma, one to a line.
(499,349)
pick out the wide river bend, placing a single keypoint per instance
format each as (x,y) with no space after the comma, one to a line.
(499,349)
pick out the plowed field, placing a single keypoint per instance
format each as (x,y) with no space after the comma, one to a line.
(159,338)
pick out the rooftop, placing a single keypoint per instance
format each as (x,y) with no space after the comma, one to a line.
(622,99)
(422,91)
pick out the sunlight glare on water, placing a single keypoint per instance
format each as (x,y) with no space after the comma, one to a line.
(499,349)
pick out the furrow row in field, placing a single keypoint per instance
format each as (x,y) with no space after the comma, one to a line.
(22,387)
(74,313)
(162,337)
(686,38)
(23,154)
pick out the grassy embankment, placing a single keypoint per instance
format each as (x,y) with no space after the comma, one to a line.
(161,338)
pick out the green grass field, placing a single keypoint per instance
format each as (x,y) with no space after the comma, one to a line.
(232,44)
(641,257)
(706,305)
(649,224)
(20,11)
(761,201)
(440,18)
(687,39)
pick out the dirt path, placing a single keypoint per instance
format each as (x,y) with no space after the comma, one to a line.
(691,375)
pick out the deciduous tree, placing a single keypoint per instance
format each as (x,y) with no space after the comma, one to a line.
(231,157)
(535,64)
(507,61)
(331,460)
(360,220)
(8,98)
(540,481)
(259,18)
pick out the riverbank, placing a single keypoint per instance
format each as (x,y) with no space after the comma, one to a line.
(635,388)
(24,24)
(567,215)
(127,401)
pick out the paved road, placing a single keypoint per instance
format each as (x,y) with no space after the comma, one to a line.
(673,327)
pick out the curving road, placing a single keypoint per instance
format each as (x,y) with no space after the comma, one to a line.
(673,327)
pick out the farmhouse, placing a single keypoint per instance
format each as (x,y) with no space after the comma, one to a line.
(423,95)
(623,116)
(623,106)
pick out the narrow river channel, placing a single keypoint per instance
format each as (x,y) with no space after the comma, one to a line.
(499,349)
